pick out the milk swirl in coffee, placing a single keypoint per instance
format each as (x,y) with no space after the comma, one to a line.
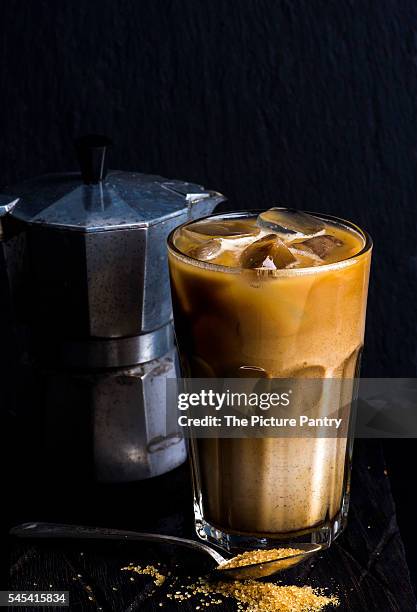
(279,295)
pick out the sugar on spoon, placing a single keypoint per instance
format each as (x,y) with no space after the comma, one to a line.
(259,569)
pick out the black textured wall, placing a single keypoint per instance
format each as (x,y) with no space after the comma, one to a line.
(312,104)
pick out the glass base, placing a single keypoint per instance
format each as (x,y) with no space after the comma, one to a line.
(323,534)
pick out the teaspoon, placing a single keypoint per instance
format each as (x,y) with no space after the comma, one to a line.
(245,572)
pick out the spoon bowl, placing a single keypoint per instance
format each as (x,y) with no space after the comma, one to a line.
(254,571)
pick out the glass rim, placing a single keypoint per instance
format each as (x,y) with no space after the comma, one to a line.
(207,265)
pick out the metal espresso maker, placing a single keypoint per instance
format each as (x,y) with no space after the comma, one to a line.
(84,263)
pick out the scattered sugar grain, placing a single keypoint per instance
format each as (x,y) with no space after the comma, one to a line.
(149,570)
(253,596)
(249,595)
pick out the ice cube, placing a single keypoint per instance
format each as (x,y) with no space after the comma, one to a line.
(290,223)
(304,259)
(255,254)
(321,245)
(227,229)
(207,250)
(281,255)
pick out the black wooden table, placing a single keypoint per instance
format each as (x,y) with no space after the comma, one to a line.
(366,567)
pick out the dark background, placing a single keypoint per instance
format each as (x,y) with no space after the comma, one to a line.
(308,104)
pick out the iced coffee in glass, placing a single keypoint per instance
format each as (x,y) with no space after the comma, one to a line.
(277,294)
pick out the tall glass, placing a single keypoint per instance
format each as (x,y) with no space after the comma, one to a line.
(289,323)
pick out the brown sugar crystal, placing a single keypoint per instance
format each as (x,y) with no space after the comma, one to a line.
(259,556)
(250,595)
(149,570)
(253,596)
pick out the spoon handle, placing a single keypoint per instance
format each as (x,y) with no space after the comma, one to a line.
(57,530)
